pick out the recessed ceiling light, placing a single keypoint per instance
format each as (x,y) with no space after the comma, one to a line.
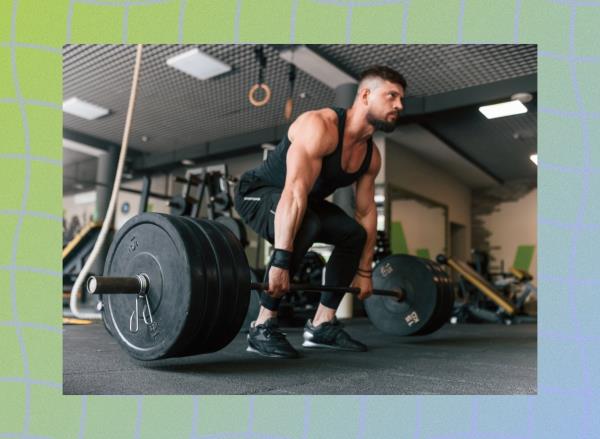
(198,64)
(83,109)
(187,162)
(503,109)
(533,158)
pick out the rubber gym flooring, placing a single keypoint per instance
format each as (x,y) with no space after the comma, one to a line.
(457,359)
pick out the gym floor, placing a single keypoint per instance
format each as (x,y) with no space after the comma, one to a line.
(457,359)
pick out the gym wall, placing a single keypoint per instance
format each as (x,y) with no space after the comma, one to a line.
(512,224)
(405,170)
(424,228)
(87,211)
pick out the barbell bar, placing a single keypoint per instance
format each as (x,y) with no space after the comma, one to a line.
(139,285)
(179,286)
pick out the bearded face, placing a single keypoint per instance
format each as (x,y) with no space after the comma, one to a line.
(386,125)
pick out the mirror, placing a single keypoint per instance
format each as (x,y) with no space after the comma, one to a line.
(415,224)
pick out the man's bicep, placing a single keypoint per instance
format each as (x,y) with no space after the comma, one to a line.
(305,154)
(303,168)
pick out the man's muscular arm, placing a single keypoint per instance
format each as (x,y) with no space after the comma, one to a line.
(311,141)
(366,215)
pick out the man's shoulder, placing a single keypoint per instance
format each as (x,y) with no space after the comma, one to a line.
(326,115)
(322,120)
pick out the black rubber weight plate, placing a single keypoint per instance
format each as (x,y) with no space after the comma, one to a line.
(414,276)
(205,273)
(449,294)
(219,280)
(440,316)
(433,322)
(242,286)
(151,244)
(236,226)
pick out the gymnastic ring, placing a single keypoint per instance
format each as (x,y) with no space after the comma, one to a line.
(262,102)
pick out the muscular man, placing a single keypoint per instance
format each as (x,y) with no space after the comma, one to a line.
(283,200)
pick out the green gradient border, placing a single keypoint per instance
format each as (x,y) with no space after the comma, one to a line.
(32,33)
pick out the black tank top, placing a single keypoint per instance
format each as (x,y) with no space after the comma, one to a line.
(272,171)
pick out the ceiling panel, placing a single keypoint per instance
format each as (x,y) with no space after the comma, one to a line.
(501,145)
(439,68)
(176,111)
(173,109)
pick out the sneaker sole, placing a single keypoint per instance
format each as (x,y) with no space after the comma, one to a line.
(312,344)
(256,351)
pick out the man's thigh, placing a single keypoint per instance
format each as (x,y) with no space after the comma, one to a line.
(257,209)
(335,224)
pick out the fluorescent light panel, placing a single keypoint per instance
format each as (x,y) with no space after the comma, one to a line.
(83,109)
(198,64)
(85,198)
(317,66)
(503,109)
(83,148)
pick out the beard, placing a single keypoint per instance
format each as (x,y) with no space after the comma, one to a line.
(381,124)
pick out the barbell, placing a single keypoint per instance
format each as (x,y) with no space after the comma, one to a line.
(177,286)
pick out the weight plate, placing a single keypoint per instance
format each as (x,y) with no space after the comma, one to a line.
(235,287)
(206,317)
(179,206)
(236,226)
(222,273)
(152,244)
(438,310)
(221,202)
(310,271)
(447,298)
(449,295)
(413,275)
(243,271)
(441,313)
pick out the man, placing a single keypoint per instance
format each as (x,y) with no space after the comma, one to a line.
(283,200)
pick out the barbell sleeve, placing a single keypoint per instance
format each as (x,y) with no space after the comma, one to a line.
(138,284)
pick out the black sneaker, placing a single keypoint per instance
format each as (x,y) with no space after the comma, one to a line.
(266,339)
(330,335)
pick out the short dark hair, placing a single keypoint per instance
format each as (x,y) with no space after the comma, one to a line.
(384,72)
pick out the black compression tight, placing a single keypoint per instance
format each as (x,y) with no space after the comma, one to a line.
(327,223)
